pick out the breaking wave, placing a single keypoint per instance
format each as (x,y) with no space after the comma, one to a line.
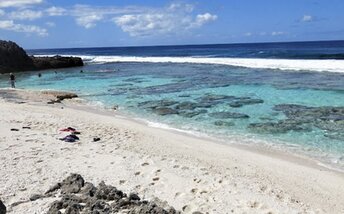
(328,65)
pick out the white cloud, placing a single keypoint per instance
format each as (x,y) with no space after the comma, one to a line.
(50,24)
(135,20)
(26,15)
(248,34)
(88,21)
(145,24)
(55,11)
(277,33)
(173,19)
(87,16)
(18,3)
(202,19)
(11,26)
(307,18)
(181,7)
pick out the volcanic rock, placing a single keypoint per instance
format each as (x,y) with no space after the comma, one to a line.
(103,199)
(2,208)
(13,58)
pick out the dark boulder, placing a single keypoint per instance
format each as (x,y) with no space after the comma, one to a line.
(134,197)
(108,192)
(72,184)
(2,208)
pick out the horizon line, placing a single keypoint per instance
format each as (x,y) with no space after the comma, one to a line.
(181,45)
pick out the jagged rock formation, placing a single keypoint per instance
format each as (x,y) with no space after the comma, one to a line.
(13,58)
(77,196)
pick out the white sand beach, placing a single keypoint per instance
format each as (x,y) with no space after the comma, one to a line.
(189,173)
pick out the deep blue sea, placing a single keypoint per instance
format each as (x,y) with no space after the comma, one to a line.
(288,96)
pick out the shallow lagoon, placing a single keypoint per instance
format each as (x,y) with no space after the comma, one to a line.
(216,100)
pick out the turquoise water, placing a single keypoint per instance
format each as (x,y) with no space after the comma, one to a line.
(193,92)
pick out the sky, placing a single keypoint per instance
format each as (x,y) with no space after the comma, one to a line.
(35,24)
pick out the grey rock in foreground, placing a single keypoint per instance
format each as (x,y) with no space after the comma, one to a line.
(2,208)
(78,196)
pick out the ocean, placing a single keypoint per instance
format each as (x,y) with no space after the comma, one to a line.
(286,96)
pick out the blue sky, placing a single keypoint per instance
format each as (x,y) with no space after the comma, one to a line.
(75,23)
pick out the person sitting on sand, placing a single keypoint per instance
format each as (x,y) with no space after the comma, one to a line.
(12,80)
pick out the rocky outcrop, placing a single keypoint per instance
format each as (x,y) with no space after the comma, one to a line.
(78,196)
(13,58)
(42,63)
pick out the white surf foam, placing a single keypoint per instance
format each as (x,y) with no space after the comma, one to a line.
(330,65)
(282,64)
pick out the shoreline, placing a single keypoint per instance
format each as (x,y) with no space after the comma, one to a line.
(232,177)
(263,147)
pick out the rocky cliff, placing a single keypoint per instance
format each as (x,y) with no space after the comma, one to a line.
(13,58)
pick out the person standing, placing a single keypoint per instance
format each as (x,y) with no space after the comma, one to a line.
(12,80)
